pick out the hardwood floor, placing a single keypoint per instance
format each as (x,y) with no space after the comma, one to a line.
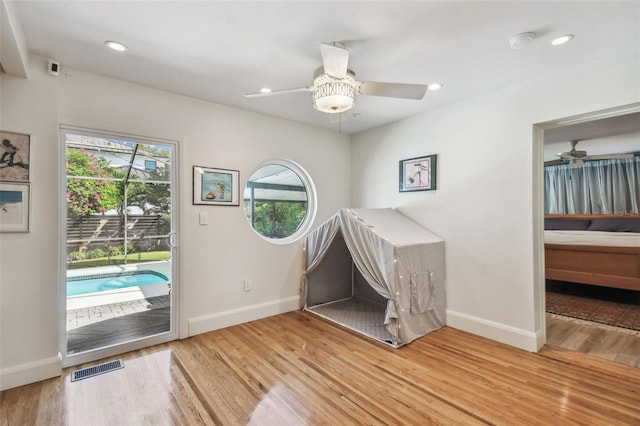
(297,369)
(604,342)
(602,305)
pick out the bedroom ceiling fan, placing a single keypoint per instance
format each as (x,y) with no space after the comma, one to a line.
(335,86)
(577,158)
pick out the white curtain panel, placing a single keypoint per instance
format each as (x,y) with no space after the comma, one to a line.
(399,259)
(597,187)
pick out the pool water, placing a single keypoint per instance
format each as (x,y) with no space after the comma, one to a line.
(104,282)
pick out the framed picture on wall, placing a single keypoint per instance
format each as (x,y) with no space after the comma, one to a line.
(216,187)
(14,156)
(14,207)
(418,174)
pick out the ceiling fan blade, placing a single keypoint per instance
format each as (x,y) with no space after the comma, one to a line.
(334,59)
(572,154)
(393,90)
(553,162)
(276,92)
(609,157)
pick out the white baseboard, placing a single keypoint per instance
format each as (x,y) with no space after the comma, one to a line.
(527,340)
(231,317)
(24,374)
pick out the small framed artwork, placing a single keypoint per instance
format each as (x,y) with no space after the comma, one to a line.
(418,174)
(216,187)
(14,207)
(14,157)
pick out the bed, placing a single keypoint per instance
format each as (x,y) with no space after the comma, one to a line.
(601,250)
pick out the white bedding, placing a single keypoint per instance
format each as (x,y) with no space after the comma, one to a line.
(595,238)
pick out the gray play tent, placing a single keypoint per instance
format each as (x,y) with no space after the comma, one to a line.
(377,272)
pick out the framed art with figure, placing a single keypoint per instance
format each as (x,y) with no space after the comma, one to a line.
(418,174)
(216,187)
(14,156)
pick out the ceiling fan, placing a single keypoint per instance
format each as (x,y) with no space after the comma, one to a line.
(335,86)
(577,158)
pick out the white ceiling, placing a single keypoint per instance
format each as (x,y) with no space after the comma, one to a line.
(613,135)
(218,51)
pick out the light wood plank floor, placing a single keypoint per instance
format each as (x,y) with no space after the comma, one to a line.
(610,343)
(297,369)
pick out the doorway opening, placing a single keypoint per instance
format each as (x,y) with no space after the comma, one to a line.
(601,134)
(119,276)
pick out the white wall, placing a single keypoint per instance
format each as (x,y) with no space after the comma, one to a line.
(29,261)
(484,206)
(214,259)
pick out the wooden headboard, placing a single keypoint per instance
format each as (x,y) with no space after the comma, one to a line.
(592,216)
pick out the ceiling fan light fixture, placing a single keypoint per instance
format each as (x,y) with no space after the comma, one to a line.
(576,162)
(332,95)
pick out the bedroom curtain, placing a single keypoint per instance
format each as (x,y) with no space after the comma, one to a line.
(597,187)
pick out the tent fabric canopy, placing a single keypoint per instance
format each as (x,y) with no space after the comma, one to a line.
(402,261)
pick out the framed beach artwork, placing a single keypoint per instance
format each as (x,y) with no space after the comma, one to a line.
(418,174)
(14,156)
(216,187)
(14,207)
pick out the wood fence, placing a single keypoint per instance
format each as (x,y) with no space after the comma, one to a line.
(145,232)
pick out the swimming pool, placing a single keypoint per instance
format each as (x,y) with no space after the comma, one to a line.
(113,281)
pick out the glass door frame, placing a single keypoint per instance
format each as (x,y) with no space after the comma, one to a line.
(116,349)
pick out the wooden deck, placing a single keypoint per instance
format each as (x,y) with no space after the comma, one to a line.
(297,369)
(101,326)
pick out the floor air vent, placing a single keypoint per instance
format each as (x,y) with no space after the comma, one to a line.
(85,373)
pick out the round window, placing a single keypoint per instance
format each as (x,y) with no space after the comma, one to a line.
(280,201)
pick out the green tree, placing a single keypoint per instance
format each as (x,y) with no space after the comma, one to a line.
(152,198)
(87,196)
(278,219)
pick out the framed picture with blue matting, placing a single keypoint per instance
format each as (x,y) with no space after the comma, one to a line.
(215,187)
(14,207)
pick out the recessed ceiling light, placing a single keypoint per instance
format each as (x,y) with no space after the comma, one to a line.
(435,86)
(265,90)
(562,39)
(115,45)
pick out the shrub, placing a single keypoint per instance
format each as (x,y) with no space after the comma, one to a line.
(131,248)
(95,253)
(115,251)
(75,255)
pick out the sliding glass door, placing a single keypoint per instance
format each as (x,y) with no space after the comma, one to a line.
(120,249)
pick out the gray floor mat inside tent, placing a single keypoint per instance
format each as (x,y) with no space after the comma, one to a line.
(357,314)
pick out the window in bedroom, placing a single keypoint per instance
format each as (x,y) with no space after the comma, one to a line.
(279,201)
(597,187)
